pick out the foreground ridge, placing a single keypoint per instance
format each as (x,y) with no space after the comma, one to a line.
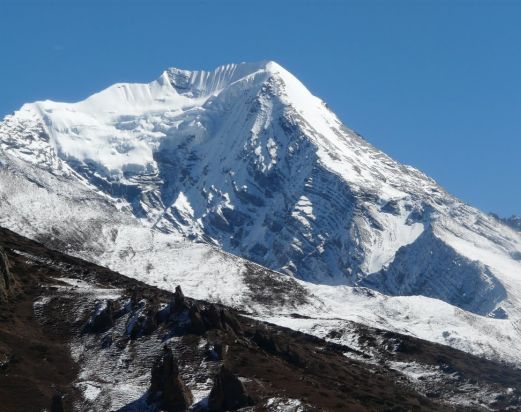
(111,343)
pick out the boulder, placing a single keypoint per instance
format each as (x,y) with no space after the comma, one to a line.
(142,323)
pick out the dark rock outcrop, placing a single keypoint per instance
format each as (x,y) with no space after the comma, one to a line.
(178,302)
(215,351)
(197,325)
(142,323)
(228,393)
(274,345)
(6,278)
(391,207)
(210,317)
(167,390)
(102,319)
(179,297)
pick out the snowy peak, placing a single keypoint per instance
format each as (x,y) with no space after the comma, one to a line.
(206,83)
(120,128)
(174,89)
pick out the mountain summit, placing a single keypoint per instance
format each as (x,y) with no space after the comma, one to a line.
(245,160)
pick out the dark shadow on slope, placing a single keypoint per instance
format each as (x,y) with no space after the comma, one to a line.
(139,405)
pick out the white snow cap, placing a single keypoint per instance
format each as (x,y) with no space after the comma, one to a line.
(119,128)
(204,83)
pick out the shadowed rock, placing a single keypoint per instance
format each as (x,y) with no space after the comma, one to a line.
(57,403)
(102,319)
(197,326)
(215,351)
(6,279)
(228,393)
(142,323)
(210,317)
(276,346)
(179,297)
(178,302)
(166,388)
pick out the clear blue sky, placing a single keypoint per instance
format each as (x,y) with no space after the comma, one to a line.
(435,84)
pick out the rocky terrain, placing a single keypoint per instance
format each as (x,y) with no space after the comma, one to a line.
(76,336)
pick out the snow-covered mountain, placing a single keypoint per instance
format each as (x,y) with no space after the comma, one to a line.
(513,221)
(169,181)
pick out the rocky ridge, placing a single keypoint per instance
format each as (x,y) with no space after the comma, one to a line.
(122,355)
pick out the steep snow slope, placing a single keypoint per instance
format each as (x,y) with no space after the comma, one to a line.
(246,159)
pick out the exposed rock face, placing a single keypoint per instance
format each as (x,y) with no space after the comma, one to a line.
(142,322)
(208,317)
(197,325)
(446,275)
(178,302)
(179,297)
(274,345)
(513,221)
(166,388)
(6,279)
(228,393)
(102,319)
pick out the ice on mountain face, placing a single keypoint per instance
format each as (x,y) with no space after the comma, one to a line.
(204,83)
(246,159)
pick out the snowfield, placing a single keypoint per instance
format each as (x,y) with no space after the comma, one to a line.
(242,187)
